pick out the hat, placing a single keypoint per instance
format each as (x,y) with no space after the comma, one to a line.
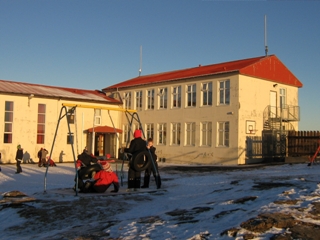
(106,166)
(19,146)
(137,133)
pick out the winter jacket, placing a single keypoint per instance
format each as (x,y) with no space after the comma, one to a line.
(19,154)
(137,145)
(87,159)
(103,181)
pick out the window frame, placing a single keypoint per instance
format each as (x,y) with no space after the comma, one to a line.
(162,134)
(176,97)
(150,130)
(163,98)
(175,134)
(206,94)
(283,97)
(41,123)
(190,134)
(191,95)
(224,92)
(223,135)
(126,133)
(206,134)
(127,100)
(150,99)
(8,122)
(138,102)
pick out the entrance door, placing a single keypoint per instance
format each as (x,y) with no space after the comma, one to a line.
(99,145)
(273,104)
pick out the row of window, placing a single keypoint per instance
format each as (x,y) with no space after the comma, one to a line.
(189,135)
(176,95)
(8,122)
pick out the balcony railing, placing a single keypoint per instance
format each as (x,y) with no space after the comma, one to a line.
(286,113)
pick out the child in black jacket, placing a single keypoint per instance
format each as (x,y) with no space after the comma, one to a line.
(153,167)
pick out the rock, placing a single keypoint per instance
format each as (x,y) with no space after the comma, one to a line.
(15,197)
(306,231)
(244,199)
(289,202)
(14,194)
(232,232)
(264,222)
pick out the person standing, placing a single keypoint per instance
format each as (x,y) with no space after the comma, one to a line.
(39,157)
(44,153)
(19,156)
(136,146)
(152,167)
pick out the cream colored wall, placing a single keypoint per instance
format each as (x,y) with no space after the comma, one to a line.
(254,97)
(194,154)
(25,128)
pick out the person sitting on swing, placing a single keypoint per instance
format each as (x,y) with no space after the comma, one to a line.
(87,166)
(152,167)
(136,146)
(102,180)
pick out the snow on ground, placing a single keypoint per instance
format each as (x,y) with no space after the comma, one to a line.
(190,204)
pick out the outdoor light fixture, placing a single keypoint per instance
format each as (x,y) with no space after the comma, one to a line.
(30,97)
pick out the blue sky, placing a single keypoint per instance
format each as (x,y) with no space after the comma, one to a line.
(94,44)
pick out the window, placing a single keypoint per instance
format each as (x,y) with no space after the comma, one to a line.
(150,99)
(126,132)
(162,134)
(41,123)
(206,133)
(206,94)
(139,100)
(191,95)
(162,98)
(149,128)
(175,140)
(176,97)
(97,116)
(223,134)
(283,97)
(8,121)
(127,100)
(224,92)
(190,134)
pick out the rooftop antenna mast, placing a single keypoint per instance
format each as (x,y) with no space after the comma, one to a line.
(265,35)
(140,69)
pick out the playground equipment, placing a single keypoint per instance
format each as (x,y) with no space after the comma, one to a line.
(131,116)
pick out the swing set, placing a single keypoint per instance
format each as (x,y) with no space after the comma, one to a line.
(131,116)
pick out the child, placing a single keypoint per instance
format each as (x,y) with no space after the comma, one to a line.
(151,167)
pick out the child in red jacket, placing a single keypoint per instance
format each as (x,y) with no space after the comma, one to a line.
(104,178)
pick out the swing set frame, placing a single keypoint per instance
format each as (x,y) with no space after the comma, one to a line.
(131,116)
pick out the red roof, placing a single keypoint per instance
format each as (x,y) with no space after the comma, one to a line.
(104,129)
(265,67)
(21,88)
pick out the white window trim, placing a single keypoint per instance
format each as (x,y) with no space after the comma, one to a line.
(224,92)
(206,90)
(223,131)
(175,131)
(208,133)
(192,136)
(191,92)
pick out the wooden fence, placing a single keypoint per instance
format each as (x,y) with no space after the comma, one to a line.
(302,143)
